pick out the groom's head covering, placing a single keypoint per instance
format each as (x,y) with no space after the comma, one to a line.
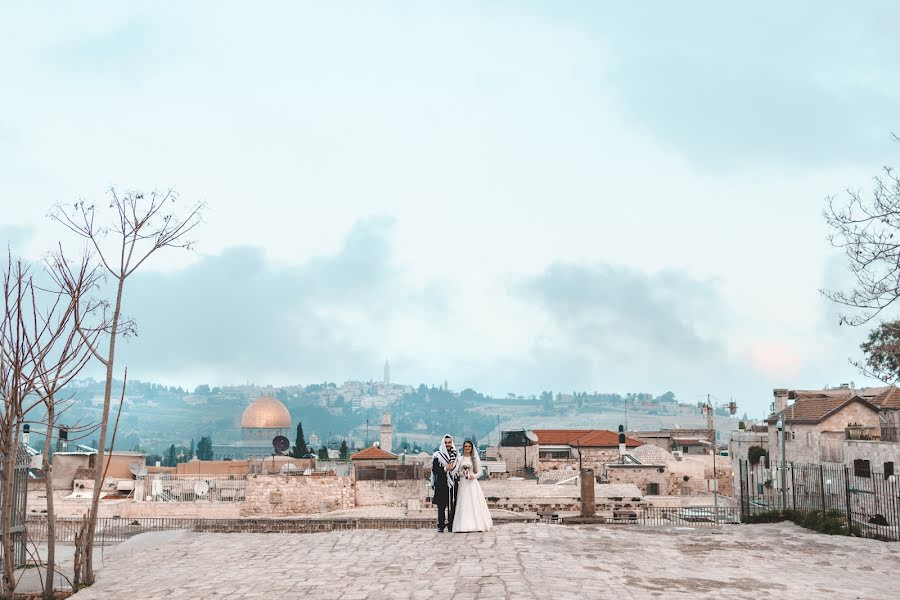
(446,454)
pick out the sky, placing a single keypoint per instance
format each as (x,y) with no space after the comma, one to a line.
(511,196)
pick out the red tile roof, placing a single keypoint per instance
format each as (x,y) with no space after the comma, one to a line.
(815,409)
(589,438)
(888,399)
(372,453)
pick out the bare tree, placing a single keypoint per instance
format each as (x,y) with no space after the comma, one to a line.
(40,353)
(15,387)
(59,353)
(868,231)
(140,225)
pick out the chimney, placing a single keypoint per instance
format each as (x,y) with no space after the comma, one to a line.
(621,443)
(26,433)
(781,399)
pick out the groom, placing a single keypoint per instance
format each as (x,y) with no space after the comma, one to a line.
(445,473)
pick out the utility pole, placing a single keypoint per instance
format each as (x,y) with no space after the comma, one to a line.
(781,427)
(711,424)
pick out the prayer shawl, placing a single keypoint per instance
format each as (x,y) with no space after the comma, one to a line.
(445,457)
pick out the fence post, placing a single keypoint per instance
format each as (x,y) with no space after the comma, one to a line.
(847,498)
(793,489)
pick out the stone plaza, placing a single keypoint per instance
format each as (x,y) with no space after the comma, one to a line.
(514,561)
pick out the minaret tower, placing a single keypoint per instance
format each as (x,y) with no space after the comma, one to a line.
(387,440)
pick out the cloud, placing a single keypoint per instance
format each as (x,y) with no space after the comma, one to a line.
(237,316)
(607,323)
(723,87)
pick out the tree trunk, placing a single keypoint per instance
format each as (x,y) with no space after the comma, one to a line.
(51,514)
(88,578)
(9,472)
(5,507)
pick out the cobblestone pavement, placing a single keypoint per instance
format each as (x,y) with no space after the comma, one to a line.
(514,561)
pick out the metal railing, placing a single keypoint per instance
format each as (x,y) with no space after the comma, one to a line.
(860,501)
(666,516)
(166,487)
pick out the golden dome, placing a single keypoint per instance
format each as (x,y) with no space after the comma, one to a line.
(266,413)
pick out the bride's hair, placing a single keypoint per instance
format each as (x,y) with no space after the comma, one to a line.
(476,460)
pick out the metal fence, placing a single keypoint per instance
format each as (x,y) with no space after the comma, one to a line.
(867,501)
(664,516)
(166,487)
(390,472)
(17,502)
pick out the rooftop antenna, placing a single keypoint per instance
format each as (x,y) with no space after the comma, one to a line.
(279,445)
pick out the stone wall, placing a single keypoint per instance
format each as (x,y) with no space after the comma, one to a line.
(390,493)
(591,458)
(669,484)
(516,457)
(287,495)
(877,453)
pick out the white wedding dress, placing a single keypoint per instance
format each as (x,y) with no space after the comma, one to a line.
(472,512)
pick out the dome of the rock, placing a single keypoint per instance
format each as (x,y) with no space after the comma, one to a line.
(266,413)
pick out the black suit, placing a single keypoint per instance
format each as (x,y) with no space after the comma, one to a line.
(444,496)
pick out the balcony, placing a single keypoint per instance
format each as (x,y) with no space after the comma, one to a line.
(862,432)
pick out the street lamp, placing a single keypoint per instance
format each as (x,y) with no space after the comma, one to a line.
(780,426)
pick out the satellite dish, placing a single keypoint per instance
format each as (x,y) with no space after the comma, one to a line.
(201,488)
(280,443)
(138,469)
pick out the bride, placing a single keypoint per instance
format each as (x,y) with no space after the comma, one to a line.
(472,513)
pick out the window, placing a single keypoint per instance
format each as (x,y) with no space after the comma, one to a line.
(684,449)
(553,454)
(888,469)
(861,468)
(653,489)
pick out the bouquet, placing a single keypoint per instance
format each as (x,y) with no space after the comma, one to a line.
(466,471)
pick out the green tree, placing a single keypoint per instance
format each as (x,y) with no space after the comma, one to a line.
(345,451)
(171,458)
(300,448)
(323,453)
(754,453)
(204,448)
(882,351)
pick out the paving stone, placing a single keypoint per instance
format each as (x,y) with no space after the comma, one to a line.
(515,561)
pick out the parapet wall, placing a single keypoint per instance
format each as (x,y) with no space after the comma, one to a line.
(390,493)
(287,495)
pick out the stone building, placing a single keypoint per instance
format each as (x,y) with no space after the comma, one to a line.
(657,472)
(587,448)
(373,456)
(816,425)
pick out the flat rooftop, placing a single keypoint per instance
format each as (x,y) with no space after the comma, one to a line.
(520,561)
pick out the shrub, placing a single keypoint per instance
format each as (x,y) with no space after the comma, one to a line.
(754,453)
(832,522)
